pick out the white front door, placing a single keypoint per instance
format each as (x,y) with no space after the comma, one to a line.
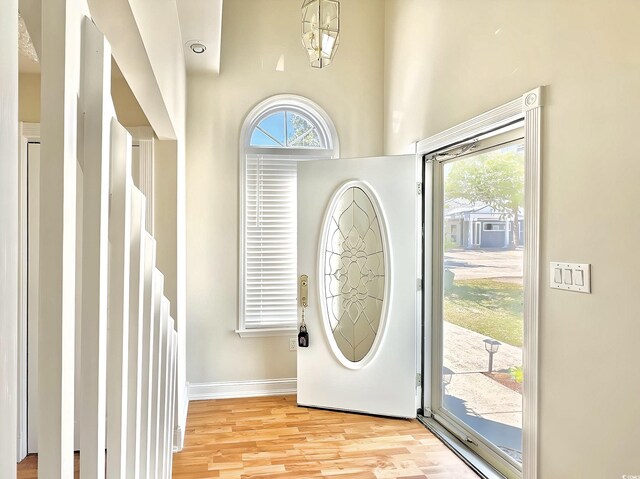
(358,243)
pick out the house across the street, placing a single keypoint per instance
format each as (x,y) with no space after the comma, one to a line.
(479,226)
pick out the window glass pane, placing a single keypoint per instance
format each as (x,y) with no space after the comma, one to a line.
(272,127)
(260,139)
(301,132)
(354,273)
(310,140)
(483,295)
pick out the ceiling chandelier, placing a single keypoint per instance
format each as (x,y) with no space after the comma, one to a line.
(320,30)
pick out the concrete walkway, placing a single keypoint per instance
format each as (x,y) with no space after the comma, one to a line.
(494,410)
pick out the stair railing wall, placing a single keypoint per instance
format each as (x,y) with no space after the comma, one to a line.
(129,342)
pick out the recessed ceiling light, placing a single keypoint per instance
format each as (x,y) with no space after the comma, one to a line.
(196,47)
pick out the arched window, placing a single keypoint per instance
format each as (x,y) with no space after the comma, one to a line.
(276,135)
(288,129)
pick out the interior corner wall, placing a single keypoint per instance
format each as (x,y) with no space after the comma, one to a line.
(448,61)
(255,36)
(8,236)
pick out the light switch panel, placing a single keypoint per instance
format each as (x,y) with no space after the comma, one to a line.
(557,278)
(570,276)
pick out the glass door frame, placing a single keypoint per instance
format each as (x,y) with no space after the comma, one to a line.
(526,109)
(490,452)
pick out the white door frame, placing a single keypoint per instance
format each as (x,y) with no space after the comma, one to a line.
(29,133)
(527,107)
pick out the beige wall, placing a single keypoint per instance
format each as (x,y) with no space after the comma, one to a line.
(29,97)
(165,213)
(255,34)
(448,61)
(127,108)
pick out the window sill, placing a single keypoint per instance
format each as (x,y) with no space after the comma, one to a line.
(255,333)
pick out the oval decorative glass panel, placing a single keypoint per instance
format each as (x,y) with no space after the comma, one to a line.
(353,272)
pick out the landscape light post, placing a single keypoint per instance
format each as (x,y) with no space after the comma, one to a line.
(492,346)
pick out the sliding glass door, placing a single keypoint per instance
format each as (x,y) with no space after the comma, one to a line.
(478,286)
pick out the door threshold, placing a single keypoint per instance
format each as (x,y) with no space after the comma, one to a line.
(351,411)
(471,459)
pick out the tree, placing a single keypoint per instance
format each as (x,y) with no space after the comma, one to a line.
(495,179)
(303,134)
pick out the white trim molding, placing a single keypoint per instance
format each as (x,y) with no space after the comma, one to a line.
(264,332)
(526,109)
(242,389)
(291,102)
(491,120)
(532,103)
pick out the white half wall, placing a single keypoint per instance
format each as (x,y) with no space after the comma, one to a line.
(170,176)
(9,235)
(446,62)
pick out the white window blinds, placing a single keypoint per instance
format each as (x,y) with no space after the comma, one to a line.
(270,242)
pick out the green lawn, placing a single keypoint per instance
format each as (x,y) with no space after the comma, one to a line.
(489,307)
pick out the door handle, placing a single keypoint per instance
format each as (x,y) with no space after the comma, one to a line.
(303,295)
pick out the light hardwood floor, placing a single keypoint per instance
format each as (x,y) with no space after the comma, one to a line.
(28,468)
(272,437)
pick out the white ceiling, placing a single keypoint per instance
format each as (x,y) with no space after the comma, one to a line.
(201,21)
(29,35)
(28,57)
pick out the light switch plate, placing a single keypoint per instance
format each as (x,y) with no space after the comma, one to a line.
(570,276)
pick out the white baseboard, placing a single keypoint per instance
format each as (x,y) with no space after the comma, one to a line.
(242,389)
